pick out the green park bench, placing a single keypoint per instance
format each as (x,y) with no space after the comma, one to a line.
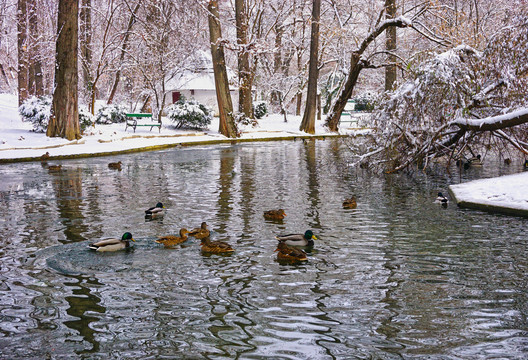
(132,121)
(348,119)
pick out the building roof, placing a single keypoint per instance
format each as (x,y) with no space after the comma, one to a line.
(200,76)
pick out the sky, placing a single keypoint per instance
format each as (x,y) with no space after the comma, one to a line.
(18,141)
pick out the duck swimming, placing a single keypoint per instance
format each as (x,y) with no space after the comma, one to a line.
(115,165)
(201,232)
(113,244)
(298,239)
(215,247)
(171,240)
(284,252)
(350,203)
(155,211)
(274,214)
(441,199)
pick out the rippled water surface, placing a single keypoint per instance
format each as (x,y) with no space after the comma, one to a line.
(395,278)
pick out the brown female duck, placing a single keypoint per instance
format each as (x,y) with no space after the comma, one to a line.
(172,240)
(201,232)
(274,214)
(284,252)
(215,247)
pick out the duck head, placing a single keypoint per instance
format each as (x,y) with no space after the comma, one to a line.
(309,235)
(127,236)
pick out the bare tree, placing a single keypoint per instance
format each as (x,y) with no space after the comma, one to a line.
(23,56)
(85,42)
(64,120)
(390,46)
(308,121)
(456,105)
(225,105)
(124,49)
(245,104)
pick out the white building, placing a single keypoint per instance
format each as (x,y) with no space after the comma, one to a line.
(197,82)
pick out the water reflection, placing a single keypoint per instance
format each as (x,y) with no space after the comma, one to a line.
(68,187)
(81,304)
(397,277)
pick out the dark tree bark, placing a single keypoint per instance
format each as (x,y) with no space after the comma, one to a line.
(36,83)
(356,65)
(85,40)
(126,39)
(390,45)
(223,97)
(64,120)
(245,103)
(23,56)
(308,121)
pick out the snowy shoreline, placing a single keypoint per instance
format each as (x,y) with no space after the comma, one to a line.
(19,143)
(505,194)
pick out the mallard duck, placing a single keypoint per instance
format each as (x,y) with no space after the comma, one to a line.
(475,161)
(441,199)
(113,244)
(201,232)
(171,240)
(525,165)
(350,203)
(45,156)
(55,167)
(298,239)
(115,165)
(155,211)
(274,214)
(215,247)
(284,252)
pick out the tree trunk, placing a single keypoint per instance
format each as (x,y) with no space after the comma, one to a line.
(85,40)
(117,76)
(308,121)
(23,57)
(298,104)
(277,62)
(390,45)
(245,104)
(36,83)
(223,97)
(332,120)
(64,120)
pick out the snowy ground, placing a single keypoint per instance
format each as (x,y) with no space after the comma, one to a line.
(507,194)
(17,141)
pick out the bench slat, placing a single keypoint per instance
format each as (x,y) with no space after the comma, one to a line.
(132,120)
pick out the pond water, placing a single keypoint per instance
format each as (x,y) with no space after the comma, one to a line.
(397,277)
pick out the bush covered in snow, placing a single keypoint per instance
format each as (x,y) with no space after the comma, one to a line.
(365,102)
(86,119)
(190,114)
(242,119)
(110,114)
(37,111)
(260,109)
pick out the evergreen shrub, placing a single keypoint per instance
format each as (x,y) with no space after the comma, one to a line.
(189,114)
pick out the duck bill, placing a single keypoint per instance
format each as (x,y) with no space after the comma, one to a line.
(313,237)
(133,239)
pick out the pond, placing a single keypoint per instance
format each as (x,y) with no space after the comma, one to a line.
(397,277)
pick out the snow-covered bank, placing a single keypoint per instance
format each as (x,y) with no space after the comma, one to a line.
(18,142)
(505,194)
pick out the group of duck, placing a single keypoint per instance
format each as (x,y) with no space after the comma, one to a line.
(288,248)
